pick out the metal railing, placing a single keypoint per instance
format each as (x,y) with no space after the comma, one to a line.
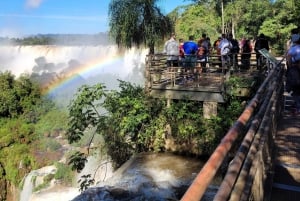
(158,72)
(248,172)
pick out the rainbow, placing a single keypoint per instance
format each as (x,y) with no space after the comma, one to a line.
(87,69)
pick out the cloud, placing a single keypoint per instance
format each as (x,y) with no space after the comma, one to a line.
(58,17)
(33,3)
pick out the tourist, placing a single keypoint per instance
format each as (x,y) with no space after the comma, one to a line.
(261,43)
(225,47)
(171,48)
(190,48)
(246,54)
(234,50)
(181,52)
(293,72)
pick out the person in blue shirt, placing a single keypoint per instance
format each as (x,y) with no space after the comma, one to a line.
(293,72)
(190,48)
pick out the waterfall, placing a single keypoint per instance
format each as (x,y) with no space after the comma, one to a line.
(32,180)
(60,70)
(91,60)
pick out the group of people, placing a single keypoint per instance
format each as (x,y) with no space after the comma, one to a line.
(187,53)
(196,54)
(293,69)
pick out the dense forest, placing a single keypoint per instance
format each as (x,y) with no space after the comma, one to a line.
(133,121)
(243,18)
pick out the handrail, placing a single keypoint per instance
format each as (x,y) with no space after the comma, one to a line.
(197,189)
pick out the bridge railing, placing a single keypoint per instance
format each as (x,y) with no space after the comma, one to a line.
(248,172)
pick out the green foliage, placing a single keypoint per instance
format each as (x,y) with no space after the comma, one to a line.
(198,19)
(18,96)
(52,121)
(185,118)
(64,173)
(77,161)
(83,111)
(85,182)
(18,161)
(21,108)
(137,22)
(46,183)
(135,122)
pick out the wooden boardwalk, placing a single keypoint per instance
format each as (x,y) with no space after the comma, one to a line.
(286,180)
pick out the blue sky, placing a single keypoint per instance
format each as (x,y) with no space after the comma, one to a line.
(25,17)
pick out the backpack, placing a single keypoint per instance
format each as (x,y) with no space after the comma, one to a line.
(235,46)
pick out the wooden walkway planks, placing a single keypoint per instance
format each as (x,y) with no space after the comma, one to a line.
(286,180)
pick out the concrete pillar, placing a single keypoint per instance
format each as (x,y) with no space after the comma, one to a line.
(169,101)
(209,109)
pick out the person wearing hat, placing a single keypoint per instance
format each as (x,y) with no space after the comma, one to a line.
(293,73)
(295,36)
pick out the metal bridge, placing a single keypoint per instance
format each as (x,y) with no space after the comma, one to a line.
(266,165)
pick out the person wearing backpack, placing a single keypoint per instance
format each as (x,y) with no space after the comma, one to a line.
(246,54)
(202,53)
(293,73)
(261,43)
(234,50)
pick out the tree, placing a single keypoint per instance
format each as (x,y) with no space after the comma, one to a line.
(17,96)
(137,22)
(198,19)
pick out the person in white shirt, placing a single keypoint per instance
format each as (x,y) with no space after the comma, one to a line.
(171,48)
(225,47)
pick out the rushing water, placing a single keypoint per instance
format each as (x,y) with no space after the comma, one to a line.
(31,178)
(160,177)
(155,176)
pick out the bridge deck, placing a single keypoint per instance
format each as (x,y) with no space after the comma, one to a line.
(286,180)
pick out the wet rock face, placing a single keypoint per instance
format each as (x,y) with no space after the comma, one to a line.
(146,192)
(3,186)
(103,193)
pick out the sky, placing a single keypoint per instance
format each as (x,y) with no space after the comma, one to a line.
(20,18)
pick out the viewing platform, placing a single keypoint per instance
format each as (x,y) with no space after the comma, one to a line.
(205,82)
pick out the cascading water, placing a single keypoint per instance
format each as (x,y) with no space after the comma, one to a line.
(28,185)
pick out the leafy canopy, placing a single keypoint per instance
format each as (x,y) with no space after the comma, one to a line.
(137,22)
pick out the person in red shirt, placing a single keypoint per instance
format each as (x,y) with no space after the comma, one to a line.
(181,52)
